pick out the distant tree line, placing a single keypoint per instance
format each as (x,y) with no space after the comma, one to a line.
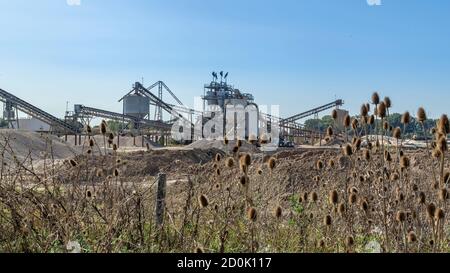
(394,120)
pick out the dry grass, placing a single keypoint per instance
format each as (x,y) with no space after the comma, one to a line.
(362,198)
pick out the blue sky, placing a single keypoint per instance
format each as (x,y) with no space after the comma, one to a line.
(295,53)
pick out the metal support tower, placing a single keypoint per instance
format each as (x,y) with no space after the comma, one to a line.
(158,114)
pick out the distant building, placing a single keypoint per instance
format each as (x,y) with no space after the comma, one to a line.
(31,124)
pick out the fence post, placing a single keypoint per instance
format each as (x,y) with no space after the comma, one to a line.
(160,199)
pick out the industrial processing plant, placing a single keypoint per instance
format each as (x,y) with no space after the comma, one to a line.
(144,110)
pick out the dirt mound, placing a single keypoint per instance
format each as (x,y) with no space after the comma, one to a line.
(218,144)
(124,141)
(25,144)
(175,163)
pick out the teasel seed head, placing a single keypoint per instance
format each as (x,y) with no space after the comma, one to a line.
(357,144)
(103,128)
(349,241)
(388,102)
(421,115)
(329,131)
(387,156)
(375,98)
(397,133)
(371,120)
(412,238)
(439,214)
(334,114)
(243,167)
(406,118)
(225,140)
(348,150)
(431,209)
(421,198)
(88,129)
(382,110)
(355,124)
(364,205)
(244,180)
(364,112)
(278,212)
(446,177)
(444,125)
(73,163)
(443,194)
(314,197)
(342,209)
(334,197)
(347,121)
(247,159)
(321,243)
(331,163)
(386,126)
(230,162)
(235,149)
(91,143)
(352,198)
(436,153)
(272,163)
(114,147)
(442,144)
(319,165)
(400,216)
(367,155)
(252,214)
(404,162)
(327,220)
(218,157)
(239,143)
(203,201)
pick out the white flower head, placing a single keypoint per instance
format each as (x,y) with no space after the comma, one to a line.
(373,247)
(73,247)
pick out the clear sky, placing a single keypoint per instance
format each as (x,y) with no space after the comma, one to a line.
(295,53)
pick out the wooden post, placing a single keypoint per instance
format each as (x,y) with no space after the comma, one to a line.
(142,140)
(160,199)
(118,140)
(75,136)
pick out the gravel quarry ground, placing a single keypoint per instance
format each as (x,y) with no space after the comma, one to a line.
(25,145)
(136,161)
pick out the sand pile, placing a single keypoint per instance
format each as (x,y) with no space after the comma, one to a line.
(26,144)
(219,144)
